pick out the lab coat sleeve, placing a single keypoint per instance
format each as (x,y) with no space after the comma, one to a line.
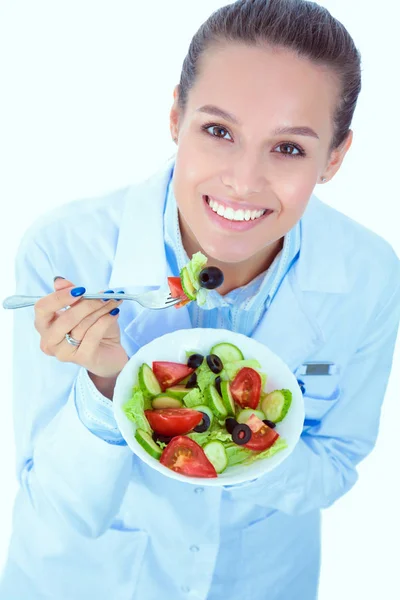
(322,467)
(64,468)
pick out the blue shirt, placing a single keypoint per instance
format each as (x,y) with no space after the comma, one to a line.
(241,309)
(91,520)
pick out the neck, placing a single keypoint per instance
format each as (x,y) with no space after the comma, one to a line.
(235,274)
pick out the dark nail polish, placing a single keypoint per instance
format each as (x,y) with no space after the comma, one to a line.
(114,312)
(107,292)
(120,292)
(58,277)
(78,291)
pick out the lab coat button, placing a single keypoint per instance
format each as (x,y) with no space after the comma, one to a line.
(194,548)
(198,490)
(185,589)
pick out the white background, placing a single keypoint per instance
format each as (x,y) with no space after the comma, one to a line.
(86,88)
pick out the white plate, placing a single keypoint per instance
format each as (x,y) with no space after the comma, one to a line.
(172,347)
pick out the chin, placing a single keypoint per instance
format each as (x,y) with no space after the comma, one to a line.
(226,252)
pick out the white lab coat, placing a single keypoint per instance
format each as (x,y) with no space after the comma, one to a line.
(93,521)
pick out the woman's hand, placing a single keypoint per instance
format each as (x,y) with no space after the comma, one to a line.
(90,322)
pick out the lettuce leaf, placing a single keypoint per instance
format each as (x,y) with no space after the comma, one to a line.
(239,455)
(193,398)
(134,410)
(194,266)
(205,376)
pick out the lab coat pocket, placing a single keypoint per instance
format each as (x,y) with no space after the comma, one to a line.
(321,395)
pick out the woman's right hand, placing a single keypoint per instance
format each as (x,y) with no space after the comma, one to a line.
(93,322)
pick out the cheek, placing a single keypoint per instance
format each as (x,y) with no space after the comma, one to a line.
(295,194)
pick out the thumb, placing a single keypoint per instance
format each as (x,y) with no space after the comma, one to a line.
(60,283)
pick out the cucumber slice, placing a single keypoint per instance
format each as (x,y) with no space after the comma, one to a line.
(244,415)
(227,352)
(187,285)
(276,404)
(205,409)
(148,444)
(148,382)
(216,454)
(227,398)
(214,400)
(177,391)
(165,401)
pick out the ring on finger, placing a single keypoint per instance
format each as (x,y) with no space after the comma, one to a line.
(72,340)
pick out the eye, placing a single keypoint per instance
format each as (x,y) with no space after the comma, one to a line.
(216,131)
(291,150)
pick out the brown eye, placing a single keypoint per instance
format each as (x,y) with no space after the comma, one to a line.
(290,150)
(217,131)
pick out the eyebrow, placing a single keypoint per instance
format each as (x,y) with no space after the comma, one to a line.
(219,112)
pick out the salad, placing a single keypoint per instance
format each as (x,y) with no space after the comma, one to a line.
(204,416)
(195,280)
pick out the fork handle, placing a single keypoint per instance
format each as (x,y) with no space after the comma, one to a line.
(24,301)
(20,301)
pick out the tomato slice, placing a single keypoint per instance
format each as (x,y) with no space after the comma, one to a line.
(170,373)
(185,456)
(263,438)
(173,421)
(246,388)
(175,286)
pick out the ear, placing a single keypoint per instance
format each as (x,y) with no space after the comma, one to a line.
(336,157)
(174,116)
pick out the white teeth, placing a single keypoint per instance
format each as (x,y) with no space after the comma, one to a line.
(229,213)
(234,215)
(239,215)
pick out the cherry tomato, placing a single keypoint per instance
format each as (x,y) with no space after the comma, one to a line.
(173,421)
(263,438)
(176,290)
(246,388)
(170,373)
(185,456)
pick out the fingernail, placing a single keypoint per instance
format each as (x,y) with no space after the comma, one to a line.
(120,292)
(114,311)
(58,277)
(78,291)
(107,292)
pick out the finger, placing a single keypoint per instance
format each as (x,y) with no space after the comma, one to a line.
(47,307)
(85,353)
(77,320)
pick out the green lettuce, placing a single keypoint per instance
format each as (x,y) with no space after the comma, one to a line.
(239,455)
(216,432)
(134,410)
(193,398)
(194,267)
(205,376)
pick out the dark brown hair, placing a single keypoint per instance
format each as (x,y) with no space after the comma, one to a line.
(304,27)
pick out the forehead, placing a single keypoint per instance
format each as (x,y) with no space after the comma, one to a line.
(254,83)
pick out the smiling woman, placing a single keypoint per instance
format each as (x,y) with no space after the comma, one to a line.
(261,114)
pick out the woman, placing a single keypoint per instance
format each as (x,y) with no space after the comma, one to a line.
(261,115)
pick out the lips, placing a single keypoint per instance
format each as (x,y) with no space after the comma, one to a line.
(235,205)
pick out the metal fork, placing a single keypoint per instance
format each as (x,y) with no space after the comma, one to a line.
(157,299)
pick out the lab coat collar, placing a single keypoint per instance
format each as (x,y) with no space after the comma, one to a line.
(140,261)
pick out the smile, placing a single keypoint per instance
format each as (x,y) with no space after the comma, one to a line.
(230,214)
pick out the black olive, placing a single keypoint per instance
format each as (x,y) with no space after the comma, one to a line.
(211,278)
(203,425)
(164,439)
(217,384)
(269,423)
(192,381)
(214,363)
(230,424)
(195,361)
(241,434)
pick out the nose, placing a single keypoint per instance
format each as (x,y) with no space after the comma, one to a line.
(244,174)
